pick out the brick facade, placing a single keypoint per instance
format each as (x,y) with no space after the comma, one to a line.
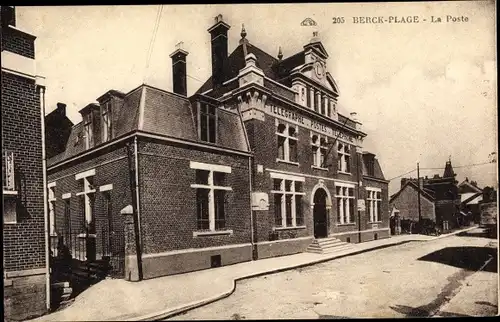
(24,252)
(111,168)
(241,113)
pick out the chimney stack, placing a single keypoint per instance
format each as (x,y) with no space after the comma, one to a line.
(218,35)
(61,109)
(8,16)
(179,69)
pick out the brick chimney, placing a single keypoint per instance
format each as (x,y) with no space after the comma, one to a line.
(61,109)
(179,70)
(218,36)
(8,16)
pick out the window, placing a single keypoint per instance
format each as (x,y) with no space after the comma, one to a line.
(370,167)
(308,94)
(323,102)
(344,157)
(345,204)
(211,195)
(327,104)
(106,122)
(52,206)
(288,202)
(319,148)
(317,104)
(87,131)
(67,218)
(87,196)
(373,201)
(287,142)
(207,122)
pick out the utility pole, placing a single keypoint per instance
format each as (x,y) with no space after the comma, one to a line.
(418,185)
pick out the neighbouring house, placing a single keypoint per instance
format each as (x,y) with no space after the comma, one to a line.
(405,202)
(441,191)
(25,264)
(470,197)
(257,163)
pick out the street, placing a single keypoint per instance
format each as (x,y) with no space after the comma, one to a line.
(418,279)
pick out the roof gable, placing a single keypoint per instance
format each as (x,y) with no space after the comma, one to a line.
(466,186)
(413,186)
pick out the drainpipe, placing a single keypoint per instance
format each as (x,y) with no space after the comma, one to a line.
(45,212)
(250,170)
(360,183)
(138,212)
(135,202)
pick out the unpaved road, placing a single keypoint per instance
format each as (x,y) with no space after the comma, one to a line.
(419,279)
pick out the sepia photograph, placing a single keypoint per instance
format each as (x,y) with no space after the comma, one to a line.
(249,161)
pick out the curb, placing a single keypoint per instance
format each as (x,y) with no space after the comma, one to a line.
(196,304)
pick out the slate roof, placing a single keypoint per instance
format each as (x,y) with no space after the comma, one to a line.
(377,171)
(415,187)
(466,186)
(271,66)
(159,112)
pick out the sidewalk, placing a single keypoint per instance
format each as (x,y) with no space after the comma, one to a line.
(117,299)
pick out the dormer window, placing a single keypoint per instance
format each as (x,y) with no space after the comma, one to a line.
(88,131)
(106,121)
(207,122)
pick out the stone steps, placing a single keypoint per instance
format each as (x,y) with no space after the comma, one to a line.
(327,246)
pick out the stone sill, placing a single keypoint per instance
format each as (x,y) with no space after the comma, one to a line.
(288,228)
(375,222)
(9,192)
(342,172)
(287,162)
(349,224)
(213,233)
(83,235)
(319,168)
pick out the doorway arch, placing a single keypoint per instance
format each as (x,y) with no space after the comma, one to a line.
(320,213)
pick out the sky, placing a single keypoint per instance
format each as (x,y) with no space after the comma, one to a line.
(425,92)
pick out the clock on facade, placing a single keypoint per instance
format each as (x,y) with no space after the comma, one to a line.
(319,69)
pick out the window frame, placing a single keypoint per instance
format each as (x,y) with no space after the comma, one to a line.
(51,199)
(343,165)
(87,199)
(374,203)
(207,117)
(319,151)
(345,202)
(106,122)
(285,135)
(88,131)
(212,191)
(295,195)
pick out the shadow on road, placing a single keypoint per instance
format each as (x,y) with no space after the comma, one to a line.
(486,303)
(415,312)
(466,257)
(481,233)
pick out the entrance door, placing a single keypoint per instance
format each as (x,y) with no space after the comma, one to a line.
(319,214)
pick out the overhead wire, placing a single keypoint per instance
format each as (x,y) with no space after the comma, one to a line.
(442,168)
(152,41)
